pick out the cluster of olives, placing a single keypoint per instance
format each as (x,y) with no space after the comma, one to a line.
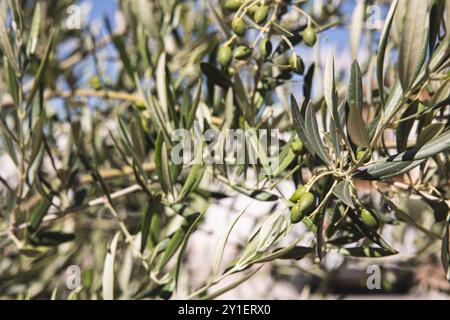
(305,203)
(259,13)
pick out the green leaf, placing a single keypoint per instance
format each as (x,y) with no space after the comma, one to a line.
(259,195)
(405,126)
(343,192)
(430,132)
(241,98)
(299,125)
(34,32)
(355,123)
(214,75)
(162,83)
(414,41)
(108,270)
(192,181)
(151,210)
(356,26)
(312,130)
(382,48)
(40,72)
(51,238)
(366,252)
(445,250)
(39,213)
(193,110)
(162,165)
(6,45)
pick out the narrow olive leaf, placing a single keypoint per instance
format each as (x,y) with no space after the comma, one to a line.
(430,132)
(405,126)
(214,75)
(108,270)
(331,99)
(229,110)
(37,137)
(219,21)
(355,123)
(445,250)
(440,54)
(137,140)
(39,213)
(159,164)
(6,46)
(242,99)
(34,32)
(220,247)
(173,245)
(259,195)
(162,83)
(366,252)
(291,252)
(40,72)
(192,181)
(412,49)
(152,207)
(382,48)
(394,100)
(343,192)
(403,216)
(279,29)
(183,248)
(8,141)
(299,124)
(165,167)
(51,238)
(356,26)
(383,170)
(194,106)
(312,130)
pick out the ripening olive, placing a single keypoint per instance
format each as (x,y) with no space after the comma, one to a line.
(265,48)
(231,71)
(238,26)
(370,219)
(224,55)
(307,202)
(261,14)
(309,36)
(297,147)
(297,193)
(242,52)
(296,64)
(233,5)
(297,214)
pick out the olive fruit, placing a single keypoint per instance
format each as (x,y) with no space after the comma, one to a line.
(261,14)
(297,193)
(296,64)
(233,5)
(309,36)
(370,219)
(360,154)
(140,104)
(238,26)
(95,83)
(242,52)
(297,214)
(307,202)
(224,55)
(297,146)
(265,48)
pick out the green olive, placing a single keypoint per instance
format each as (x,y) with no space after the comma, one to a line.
(265,48)
(242,52)
(233,5)
(238,26)
(231,71)
(261,14)
(297,214)
(95,83)
(297,146)
(370,219)
(140,104)
(297,193)
(309,36)
(360,154)
(296,64)
(224,55)
(307,202)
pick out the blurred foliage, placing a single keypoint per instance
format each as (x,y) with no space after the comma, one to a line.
(87,116)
